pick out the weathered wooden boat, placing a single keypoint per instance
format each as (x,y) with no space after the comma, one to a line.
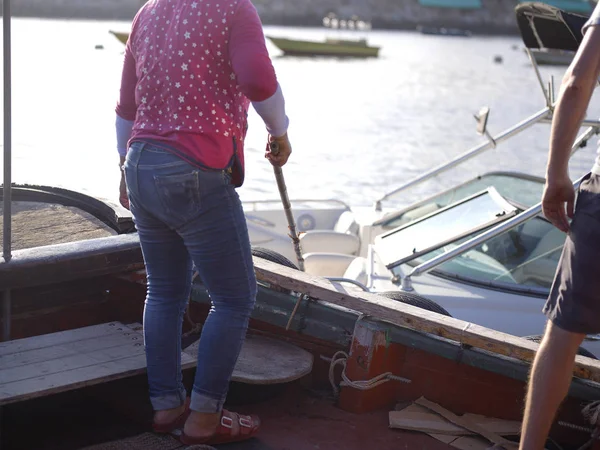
(122,36)
(329,47)
(324,365)
(318,358)
(551,35)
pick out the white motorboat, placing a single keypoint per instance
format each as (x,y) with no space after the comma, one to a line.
(481,251)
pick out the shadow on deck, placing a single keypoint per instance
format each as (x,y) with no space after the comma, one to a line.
(293,418)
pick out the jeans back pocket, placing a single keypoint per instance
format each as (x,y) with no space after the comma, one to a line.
(179,197)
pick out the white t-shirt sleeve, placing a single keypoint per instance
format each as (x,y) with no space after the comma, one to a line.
(594,19)
(272,112)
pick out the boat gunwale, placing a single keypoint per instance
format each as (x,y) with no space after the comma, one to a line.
(122,253)
(71,261)
(322,320)
(114,216)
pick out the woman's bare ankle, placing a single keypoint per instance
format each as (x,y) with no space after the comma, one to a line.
(167,415)
(201,424)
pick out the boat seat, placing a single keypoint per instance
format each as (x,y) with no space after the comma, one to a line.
(48,364)
(264,361)
(357,270)
(327,264)
(329,242)
(346,223)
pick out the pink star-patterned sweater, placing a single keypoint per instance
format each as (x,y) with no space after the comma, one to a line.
(191,68)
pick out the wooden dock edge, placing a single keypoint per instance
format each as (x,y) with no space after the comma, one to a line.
(412,317)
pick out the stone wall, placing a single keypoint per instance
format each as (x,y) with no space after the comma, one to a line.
(496,16)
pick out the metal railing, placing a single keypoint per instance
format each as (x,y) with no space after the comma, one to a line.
(7,194)
(545,113)
(493,232)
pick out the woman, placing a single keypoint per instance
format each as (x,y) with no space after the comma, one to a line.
(191,69)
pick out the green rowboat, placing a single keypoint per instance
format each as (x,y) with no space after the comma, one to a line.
(330,47)
(121,36)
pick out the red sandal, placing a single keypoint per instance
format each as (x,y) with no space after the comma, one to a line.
(176,423)
(233,428)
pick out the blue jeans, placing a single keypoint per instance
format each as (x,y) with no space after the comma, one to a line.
(184,216)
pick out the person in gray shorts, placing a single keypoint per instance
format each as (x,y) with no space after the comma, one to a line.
(573,306)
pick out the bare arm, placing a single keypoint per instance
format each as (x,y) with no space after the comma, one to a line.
(573,100)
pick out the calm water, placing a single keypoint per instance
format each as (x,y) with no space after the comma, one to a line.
(358,128)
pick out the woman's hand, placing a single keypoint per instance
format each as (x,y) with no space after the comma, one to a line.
(278,150)
(123,199)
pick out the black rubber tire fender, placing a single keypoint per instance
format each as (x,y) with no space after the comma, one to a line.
(273,256)
(415,300)
(278,258)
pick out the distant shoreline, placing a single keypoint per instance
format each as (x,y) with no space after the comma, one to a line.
(494,17)
(301,22)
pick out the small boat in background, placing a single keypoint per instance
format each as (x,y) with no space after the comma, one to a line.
(551,35)
(552,57)
(330,47)
(340,47)
(122,36)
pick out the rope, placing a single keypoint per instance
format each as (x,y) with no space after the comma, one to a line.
(340,358)
(591,413)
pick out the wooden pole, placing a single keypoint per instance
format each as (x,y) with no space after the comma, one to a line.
(287,207)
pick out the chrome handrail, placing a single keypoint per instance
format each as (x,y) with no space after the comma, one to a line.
(297,200)
(348,280)
(493,232)
(491,143)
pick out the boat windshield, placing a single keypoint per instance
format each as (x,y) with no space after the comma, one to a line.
(442,227)
(519,189)
(523,259)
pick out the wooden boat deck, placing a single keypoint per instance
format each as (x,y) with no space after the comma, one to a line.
(36,224)
(47,364)
(52,363)
(294,419)
(119,408)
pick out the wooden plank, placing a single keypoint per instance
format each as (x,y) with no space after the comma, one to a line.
(418,418)
(409,316)
(470,443)
(489,435)
(65,350)
(266,361)
(499,426)
(60,382)
(72,359)
(445,438)
(62,337)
